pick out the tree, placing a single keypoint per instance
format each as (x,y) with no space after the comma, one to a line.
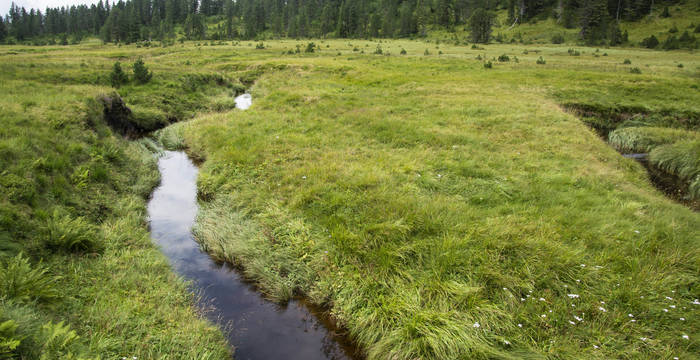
(480,24)
(141,73)
(118,77)
(3,30)
(594,21)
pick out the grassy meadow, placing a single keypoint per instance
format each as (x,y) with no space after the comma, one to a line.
(438,209)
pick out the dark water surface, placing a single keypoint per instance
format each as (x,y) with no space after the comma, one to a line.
(258,329)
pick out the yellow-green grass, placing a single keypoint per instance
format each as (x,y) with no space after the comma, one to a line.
(416,196)
(644,139)
(73,204)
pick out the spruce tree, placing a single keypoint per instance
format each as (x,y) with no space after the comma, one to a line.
(480,24)
(118,76)
(141,73)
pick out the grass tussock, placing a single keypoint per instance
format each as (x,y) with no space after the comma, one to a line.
(681,159)
(644,139)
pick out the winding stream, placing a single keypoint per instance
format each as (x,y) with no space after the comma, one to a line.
(257,328)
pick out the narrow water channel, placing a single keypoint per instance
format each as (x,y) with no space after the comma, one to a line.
(257,328)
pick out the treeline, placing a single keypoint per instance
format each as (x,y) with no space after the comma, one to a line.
(136,20)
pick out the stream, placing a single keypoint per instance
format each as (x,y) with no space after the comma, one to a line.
(256,327)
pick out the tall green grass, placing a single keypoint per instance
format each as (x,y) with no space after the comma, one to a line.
(681,159)
(644,139)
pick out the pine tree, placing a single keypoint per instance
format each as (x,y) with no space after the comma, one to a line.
(3,30)
(118,77)
(141,73)
(480,24)
(594,21)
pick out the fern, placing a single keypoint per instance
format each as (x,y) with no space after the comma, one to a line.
(21,282)
(70,234)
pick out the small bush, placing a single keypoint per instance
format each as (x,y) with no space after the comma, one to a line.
(426,52)
(378,50)
(673,29)
(557,39)
(403,51)
(64,233)
(118,77)
(635,70)
(23,282)
(503,58)
(651,42)
(665,13)
(260,46)
(680,66)
(627,61)
(310,47)
(488,65)
(573,52)
(541,61)
(141,73)
(9,339)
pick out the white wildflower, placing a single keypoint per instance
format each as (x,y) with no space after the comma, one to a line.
(304,177)
(543,315)
(630,315)
(665,310)
(696,302)
(633,320)
(682,319)
(602,309)
(522,299)
(583,265)
(636,231)
(595,346)
(669,298)
(506,342)
(673,306)
(643,338)
(520,325)
(602,302)
(476,325)
(578,318)
(571,322)
(541,299)
(573,296)
(505,289)
(686,336)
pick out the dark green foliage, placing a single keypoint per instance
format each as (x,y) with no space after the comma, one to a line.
(118,77)
(681,159)
(673,29)
(573,52)
(615,36)
(503,58)
(651,42)
(627,61)
(671,43)
(697,29)
(310,47)
(488,65)
(540,61)
(635,70)
(557,39)
(260,46)
(141,73)
(378,50)
(665,13)
(22,282)
(480,24)
(403,51)
(594,21)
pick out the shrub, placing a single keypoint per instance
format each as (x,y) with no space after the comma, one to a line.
(635,70)
(21,282)
(680,66)
(541,61)
(651,42)
(378,50)
(426,52)
(260,46)
(403,51)
(665,13)
(697,29)
(671,43)
(573,52)
(557,39)
(673,29)
(310,47)
(141,73)
(627,61)
(64,233)
(118,77)
(9,339)
(503,58)
(488,65)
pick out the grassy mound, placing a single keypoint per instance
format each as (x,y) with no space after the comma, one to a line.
(681,159)
(644,139)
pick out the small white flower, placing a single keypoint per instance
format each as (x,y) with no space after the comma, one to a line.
(541,299)
(641,297)
(505,289)
(573,296)
(543,315)
(522,299)
(673,291)
(550,310)
(602,302)
(506,342)
(583,265)
(595,346)
(578,318)
(602,309)
(636,231)
(304,177)
(520,325)
(476,325)
(682,319)
(633,320)
(673,306)
(696,302)
(531,293)
(665,310)
(643,338)
(571,322)
(630,315)
(675,358)
(578,281)
(573,305)
(566,286)
(669,298)
(686,336)
(439,176)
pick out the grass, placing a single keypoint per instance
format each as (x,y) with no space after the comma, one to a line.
(644,139)
(79,276)
(681,159)
(427,202)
